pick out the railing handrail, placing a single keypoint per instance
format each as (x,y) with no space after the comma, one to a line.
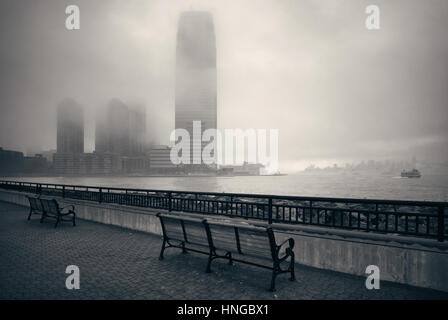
(249,195)
(290,209)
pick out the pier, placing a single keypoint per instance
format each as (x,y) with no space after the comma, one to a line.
(118,231)
(118,263)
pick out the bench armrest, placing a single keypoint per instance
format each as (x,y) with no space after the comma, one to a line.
(69,206)
(288,250)
(290,241)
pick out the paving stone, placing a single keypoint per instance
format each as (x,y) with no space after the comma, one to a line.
(116,263)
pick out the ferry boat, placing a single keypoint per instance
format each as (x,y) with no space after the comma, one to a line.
(414,173)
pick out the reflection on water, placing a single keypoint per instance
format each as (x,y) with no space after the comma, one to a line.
(428,187)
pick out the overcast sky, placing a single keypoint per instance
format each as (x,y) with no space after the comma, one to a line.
(336,91)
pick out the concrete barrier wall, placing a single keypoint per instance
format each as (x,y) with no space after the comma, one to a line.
(422,267)
(422,263)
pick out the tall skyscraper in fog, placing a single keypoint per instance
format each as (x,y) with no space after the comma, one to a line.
(196,97)
(120,130)
(112,129)
(70,127)
(137,130)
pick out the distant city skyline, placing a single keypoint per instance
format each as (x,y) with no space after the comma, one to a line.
(336,91)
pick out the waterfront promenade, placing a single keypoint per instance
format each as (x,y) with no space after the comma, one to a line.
(117,263)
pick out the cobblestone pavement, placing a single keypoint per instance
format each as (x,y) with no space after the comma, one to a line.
(117,263)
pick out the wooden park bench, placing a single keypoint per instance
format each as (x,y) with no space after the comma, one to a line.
(241,243)
(35,206)
(51,209)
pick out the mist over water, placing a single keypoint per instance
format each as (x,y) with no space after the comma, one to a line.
(336,91)
(432,187)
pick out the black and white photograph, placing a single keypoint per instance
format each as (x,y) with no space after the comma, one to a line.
(240,152)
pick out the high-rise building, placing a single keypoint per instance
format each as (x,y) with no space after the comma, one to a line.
(160,160)
(120,130)
(137,131)
(14,162)
(11,161)
(118,127)
(102,131)
(196,94)
(70,127)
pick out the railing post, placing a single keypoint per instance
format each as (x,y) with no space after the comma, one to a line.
(170,206)
(441,224)
(63,191)
(270,211)
(100,199)
(311,214)
(231,205)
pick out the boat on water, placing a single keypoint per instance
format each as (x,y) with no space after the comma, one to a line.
(414,173)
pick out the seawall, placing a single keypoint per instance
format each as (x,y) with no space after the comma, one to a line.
(408,260)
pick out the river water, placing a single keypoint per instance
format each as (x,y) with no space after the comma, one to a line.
(348,185)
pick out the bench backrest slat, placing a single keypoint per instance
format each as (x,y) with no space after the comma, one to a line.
(240,239)
(53,207)
(184,229)
(35,204)
(255,243)
(173,229)
(50,207)
(195,232)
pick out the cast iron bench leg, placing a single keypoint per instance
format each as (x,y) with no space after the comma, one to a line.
(274,275)
(29,216)
(74,216)
(229,255)
(210,258)
(163,249)
(57,221)
(291,267)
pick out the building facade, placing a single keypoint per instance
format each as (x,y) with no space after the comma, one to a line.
(160,160)
(121,130)
(196,92)
(137,131)
(14,162)
(11,162)
(86,164)
(70,127)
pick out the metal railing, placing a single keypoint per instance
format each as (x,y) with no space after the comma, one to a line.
(412,218)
